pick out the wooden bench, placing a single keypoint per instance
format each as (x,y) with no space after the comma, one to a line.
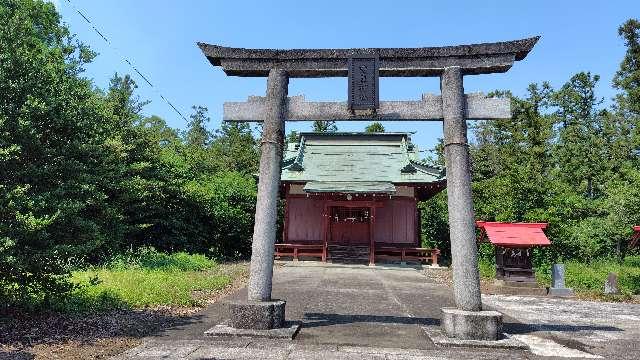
(407,254)
(296,250)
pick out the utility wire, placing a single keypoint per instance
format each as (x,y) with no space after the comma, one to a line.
(125,59)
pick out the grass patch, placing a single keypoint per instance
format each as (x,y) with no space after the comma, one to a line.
(139,288)
(146,279)
(587,279)
(590,277)
(148,258)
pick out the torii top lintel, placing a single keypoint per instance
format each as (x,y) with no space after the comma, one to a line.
(425,61)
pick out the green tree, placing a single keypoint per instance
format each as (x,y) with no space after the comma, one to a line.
(374,127)
(324,126)
(293,137)
(86,175)
(626,115)
(236,148)
(510,159)
(54,139)
(197,134)
(627,78)
(579,150)
(197,141)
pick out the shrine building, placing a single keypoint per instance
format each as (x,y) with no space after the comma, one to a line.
(353,197)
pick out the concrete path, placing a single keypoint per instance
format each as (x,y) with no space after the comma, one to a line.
(357,312)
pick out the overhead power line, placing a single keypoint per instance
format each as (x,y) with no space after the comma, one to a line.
(125,59)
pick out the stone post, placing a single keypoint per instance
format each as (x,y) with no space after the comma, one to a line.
(557,282)
(611,284)
(467,321)
(264,230)
(464,251)
(259,311)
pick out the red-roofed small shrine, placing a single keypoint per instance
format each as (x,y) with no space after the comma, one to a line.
(513,243)
(514,234)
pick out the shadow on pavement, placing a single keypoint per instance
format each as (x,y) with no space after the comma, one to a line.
(519,328)
(322,319)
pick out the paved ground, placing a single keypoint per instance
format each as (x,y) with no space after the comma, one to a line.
(378,313)
(611,330)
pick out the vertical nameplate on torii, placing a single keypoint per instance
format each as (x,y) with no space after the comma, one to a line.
(363,82)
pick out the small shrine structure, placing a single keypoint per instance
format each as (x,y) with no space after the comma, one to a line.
(352,196)
(514,244)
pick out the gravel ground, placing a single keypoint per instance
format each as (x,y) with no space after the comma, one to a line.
(586,324)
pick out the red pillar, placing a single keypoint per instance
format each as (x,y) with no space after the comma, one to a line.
(325,226)
(285,228)
(372,243)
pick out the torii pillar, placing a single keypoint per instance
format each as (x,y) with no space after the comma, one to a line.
(451,63)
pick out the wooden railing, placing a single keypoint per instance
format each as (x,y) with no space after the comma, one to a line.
(297,250)
(407,254)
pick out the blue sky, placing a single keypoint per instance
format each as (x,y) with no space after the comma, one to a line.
(160,38)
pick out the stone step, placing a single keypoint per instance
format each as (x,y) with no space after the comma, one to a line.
(526,284)
(515,290)
(348,253)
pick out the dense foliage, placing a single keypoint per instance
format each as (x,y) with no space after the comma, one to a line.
(374,127)
(86,176)
(563,158)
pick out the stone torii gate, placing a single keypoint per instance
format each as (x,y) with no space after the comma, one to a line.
(453,107)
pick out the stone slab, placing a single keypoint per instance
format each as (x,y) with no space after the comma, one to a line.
(258,315)
(238,353)
(471,325)
(477,106)
(425,61)
(528,284)
(289,331)
(439,338)
(560,292)
(515,290)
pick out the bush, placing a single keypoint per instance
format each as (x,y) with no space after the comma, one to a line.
(487,269)
(435,225)
(633,261)
(223,215)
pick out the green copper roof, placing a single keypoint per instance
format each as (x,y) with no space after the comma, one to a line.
(350,187)
(355,162)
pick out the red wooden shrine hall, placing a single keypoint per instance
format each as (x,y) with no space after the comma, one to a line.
(353,197)
(513,247)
